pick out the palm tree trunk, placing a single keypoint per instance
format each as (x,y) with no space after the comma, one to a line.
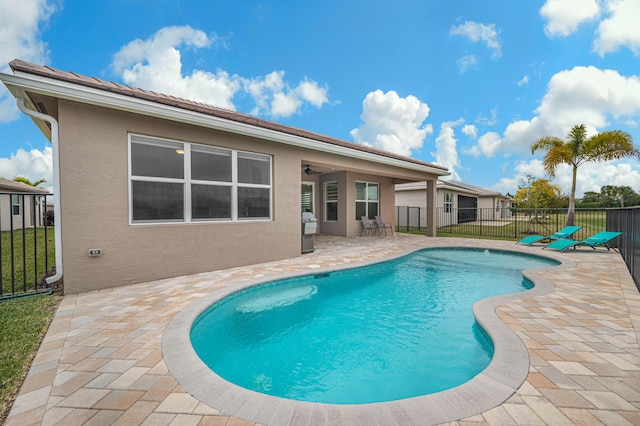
(571,212)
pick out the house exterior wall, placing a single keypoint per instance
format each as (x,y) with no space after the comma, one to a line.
(95,203)
(386,203)
(26,212)
(95,206)
(413,198)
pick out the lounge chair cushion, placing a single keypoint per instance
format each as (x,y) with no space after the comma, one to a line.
(531,239)
(561,245)
(565,232)
(599,239)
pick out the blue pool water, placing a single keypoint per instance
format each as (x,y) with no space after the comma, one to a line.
(390,331)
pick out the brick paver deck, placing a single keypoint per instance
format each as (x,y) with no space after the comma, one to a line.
(101,360)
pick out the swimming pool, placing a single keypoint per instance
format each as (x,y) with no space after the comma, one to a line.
(362,335)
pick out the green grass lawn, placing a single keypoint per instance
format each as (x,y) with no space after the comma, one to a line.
(23,255)
(23,323)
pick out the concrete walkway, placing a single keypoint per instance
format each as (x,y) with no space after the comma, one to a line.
(101,360)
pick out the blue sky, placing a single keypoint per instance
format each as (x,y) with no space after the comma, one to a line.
(465,84)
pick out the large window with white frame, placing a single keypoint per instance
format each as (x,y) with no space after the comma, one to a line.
(331,202)
(367,200)
(172,181)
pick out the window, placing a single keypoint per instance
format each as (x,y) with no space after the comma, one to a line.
(307,198)
(331,201)
(182,182)
(15,204)
(367,199)
(448,202)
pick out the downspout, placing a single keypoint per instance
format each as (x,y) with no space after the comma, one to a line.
(57,230)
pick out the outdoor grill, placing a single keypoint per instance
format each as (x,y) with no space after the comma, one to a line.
(309,227)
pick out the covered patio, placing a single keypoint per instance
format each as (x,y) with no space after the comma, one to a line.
(101,361)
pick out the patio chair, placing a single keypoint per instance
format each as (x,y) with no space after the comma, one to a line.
(383,226)
(597,240)
(368,226)
(564,233)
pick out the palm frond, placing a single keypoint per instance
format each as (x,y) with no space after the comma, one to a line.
(546,143)
(611,145)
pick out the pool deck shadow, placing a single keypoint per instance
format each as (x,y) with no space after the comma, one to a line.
(566,351)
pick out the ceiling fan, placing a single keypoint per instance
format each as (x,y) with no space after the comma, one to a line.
(308,170)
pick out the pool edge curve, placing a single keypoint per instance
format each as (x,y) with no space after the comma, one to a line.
(506,372)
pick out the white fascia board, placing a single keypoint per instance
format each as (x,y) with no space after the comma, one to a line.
(78,93)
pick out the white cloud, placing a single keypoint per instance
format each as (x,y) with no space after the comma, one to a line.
(585,95)
(33,165)
(312,93)
(564,16)
(524,81)
(466,62)
(275,97)
(20,23)
(489,121)
(446,153)
(617,173)
(620,29)
(470,131)
(392,123)
(522,169)
(156,64)
(475,32)
(487,145)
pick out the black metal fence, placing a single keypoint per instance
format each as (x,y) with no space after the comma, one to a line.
(627,221)
(27,249)
(511,223)
(515,224)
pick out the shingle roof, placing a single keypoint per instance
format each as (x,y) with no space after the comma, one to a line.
(451,184)
(18,65)
(13,186)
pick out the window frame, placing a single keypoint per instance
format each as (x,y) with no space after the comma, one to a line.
(448,205)
(187,181)
(312,196)
(366,201)
(17,204)
(327,201)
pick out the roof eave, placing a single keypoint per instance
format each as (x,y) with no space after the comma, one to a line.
(20,83)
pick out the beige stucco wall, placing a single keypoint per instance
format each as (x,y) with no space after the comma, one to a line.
(95,207)
(95,204)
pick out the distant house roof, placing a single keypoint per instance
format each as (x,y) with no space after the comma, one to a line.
(21,67)
(7,185)
(453,186)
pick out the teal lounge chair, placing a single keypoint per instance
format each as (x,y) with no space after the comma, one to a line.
(563,233)
(597,240)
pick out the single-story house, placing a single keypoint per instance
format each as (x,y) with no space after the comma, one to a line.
(150,186)
(457,202)
(21,205)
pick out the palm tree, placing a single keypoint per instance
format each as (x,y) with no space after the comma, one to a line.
(579,149)
(28,182)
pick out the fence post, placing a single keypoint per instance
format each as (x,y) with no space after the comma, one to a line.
(35,243)
(408,219)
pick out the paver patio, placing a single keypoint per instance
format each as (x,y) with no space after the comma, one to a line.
(101,360)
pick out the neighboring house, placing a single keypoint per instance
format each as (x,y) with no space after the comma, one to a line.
(151,186)
(457,202)
(21,205)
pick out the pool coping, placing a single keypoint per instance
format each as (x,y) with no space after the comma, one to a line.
(506,372)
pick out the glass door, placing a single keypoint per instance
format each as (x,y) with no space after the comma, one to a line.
(307,198)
